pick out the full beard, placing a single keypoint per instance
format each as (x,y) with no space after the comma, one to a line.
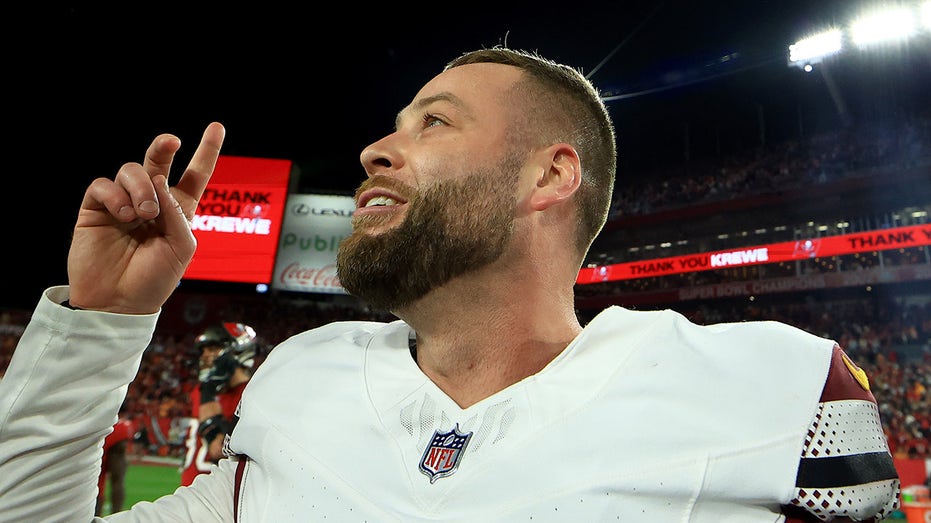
(451,228)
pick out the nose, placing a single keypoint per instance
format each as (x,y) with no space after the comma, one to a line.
(381,156)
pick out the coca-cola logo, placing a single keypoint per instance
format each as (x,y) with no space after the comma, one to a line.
(297,275)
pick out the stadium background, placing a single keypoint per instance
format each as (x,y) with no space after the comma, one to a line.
(723,147)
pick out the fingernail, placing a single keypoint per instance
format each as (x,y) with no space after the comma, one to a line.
(148,206)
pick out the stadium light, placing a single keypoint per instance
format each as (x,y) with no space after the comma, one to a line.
(813,49)
(883,26)
(871,28)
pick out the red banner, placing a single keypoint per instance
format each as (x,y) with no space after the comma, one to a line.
(885,239)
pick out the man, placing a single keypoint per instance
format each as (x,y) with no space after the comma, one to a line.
(114,464)
(227,359)
(159,424)
(487,400)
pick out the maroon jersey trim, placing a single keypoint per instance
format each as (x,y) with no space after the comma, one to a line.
(846,381)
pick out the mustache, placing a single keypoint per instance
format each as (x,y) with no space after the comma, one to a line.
(388,183)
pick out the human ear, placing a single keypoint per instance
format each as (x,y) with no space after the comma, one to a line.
(559,178)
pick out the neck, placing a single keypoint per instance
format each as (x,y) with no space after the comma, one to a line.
(475,340)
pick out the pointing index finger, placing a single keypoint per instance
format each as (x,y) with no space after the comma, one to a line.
(194,180)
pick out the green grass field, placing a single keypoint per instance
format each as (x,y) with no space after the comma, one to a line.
(148,482)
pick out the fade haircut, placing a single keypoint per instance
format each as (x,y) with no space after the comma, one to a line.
(561,105)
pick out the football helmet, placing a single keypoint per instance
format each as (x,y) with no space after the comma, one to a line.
(237,340)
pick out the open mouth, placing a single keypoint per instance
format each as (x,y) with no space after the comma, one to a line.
(379,198)
(381,201)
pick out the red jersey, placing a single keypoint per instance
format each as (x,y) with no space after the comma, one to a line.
(123,430)
(196,461)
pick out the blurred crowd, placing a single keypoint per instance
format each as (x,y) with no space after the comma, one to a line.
(799,163)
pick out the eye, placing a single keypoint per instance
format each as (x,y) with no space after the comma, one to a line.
(432,120)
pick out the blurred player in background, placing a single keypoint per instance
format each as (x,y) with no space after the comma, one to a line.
(227,359)
(114,466)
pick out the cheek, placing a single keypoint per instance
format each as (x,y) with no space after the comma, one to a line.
(444,162)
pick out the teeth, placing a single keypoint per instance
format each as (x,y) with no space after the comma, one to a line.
(380,200)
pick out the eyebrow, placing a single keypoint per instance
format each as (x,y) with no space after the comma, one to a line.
(418,105)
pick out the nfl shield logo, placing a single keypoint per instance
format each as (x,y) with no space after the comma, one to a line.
(442,456)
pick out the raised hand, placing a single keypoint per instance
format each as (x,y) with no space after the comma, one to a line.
(132,241)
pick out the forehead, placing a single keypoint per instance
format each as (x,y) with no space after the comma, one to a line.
(474,88)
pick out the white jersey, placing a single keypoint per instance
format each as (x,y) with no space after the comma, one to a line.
(643,417)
